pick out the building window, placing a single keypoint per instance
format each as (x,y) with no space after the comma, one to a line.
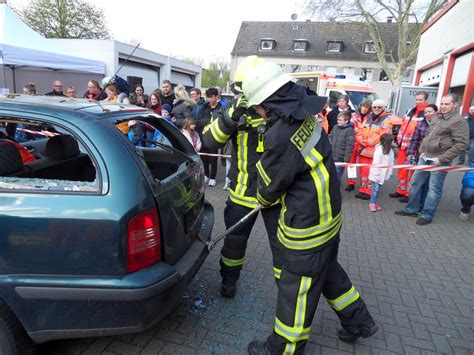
(267,44)
(300,45)
(335,47)
(367,74)
(369,47)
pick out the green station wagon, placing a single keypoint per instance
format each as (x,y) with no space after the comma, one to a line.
(98,236)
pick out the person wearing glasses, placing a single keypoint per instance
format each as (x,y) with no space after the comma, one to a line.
(71,91)
(368,136)
(94,91)
(57,89)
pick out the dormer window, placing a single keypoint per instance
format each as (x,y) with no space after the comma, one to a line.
(369,47)
(267,44)
(335,46)
(300,45)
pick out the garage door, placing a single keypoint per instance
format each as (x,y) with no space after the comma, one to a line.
(149,75)
(182,78)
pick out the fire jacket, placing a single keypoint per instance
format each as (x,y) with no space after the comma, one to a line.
(409,123)
(369,133)
(297,168)
(247,147)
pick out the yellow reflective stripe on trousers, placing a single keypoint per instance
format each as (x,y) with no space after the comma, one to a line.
(247,201)
(263,174)
(320,177)
(308,243)
(277,272)
(217,133)
(344,300)
(242,155)
(290,333)
(232,262)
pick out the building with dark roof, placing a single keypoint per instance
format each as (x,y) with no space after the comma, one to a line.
(334,47)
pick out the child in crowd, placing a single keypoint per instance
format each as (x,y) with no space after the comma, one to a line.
(383,156)
(189,131)
(467,194)
(342,139)
(167,112)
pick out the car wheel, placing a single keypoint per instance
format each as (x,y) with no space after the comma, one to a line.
(13,338)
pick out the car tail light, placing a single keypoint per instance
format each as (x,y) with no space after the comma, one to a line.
(144,240)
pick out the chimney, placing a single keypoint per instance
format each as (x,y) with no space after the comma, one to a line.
(389,19)
(308,20)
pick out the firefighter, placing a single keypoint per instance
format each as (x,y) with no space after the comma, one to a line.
(244,128)
(297,169)
(368,136)
(404,137)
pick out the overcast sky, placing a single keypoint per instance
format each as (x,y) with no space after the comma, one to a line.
(189,28)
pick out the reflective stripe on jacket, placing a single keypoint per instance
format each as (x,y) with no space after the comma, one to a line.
(297,168)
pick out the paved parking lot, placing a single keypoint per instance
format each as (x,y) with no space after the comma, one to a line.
(418,282)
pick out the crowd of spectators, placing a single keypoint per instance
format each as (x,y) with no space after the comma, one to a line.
(357,136)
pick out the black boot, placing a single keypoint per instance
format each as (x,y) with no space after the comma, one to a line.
(349,188)
(350,336)
(258,347)
(228,287)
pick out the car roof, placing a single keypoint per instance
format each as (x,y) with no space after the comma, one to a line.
(61,105)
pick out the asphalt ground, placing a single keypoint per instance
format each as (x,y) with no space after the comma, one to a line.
(417,281)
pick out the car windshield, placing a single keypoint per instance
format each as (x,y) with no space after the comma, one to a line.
(357,97)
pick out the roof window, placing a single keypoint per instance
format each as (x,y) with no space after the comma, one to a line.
(335,46)
(267,44)
(300,45)
(369,47)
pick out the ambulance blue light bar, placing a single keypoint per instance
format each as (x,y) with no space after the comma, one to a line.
(340,76)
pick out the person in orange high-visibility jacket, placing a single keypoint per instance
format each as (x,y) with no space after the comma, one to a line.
(367,137)
(358,118)
(405,135)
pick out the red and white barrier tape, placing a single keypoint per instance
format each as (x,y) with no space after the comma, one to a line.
(40,133)
(457,168)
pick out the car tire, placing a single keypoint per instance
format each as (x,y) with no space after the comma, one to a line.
(13,338)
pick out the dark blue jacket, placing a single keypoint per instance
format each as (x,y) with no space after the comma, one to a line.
(470,121)
(468,179)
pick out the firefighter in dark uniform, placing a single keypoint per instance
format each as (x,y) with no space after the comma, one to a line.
(297,168)
(244,128)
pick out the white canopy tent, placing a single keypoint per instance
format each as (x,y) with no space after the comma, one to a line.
(23,48)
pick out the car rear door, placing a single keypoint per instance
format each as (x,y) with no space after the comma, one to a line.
(175,174)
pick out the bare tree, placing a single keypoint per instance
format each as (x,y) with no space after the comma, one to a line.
(65,19)
(408,17)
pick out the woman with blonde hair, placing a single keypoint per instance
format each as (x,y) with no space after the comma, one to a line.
(183,107)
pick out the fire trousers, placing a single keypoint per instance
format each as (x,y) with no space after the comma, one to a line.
(365,184)
(404,175)
(304,277)
(235,244)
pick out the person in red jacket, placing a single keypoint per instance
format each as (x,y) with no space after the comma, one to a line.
(405,135)
(368,136)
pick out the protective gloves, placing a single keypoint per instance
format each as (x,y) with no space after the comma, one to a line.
(238,108)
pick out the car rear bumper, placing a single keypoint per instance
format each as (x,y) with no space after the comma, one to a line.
(117,306)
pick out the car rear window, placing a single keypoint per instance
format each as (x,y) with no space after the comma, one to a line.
(158,143)
(39,155)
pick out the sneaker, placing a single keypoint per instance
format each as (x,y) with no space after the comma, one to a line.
(395,194)
(350,337)
(349,188)
(372,207)
(212,182)
(362,196)
(206,180)
(423,221)
(228,288)
(406,214)
(378,207)
(463,216)
(258,347)
(403,199)
(226,186)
